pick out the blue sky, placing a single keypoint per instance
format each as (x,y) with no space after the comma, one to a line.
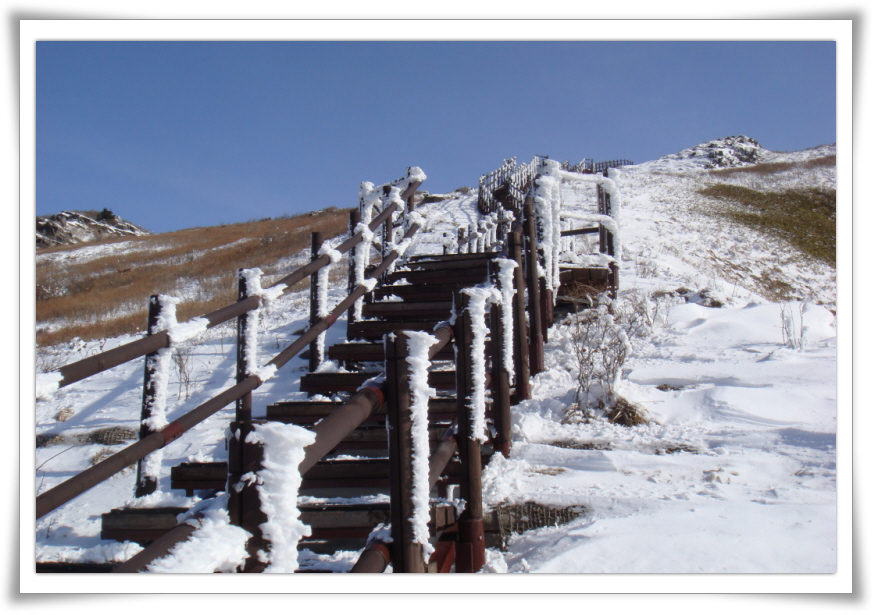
(173,135)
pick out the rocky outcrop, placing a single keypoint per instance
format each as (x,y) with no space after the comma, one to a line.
(723,153)
(72,227)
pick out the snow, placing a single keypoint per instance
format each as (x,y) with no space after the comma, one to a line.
(277,485)
(479,297)
(47,384)
(419,344)
(507,291)
(215,546)
(735,473)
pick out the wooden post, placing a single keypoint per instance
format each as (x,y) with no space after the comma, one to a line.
(470,546)
(387,238)
(353,221)
(537,342)
(316,347)
(146,484)
(522,344)
(407,555)
(547,308)
(243,404)
(502,403)
(462,246)
(244,506)
(240,427)
(610,243)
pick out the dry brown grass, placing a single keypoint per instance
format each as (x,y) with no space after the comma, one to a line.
(108,296)
(805,218)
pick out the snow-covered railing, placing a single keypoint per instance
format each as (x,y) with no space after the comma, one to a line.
(506,185)
(165,332)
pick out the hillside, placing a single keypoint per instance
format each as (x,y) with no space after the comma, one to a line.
(85,292)
(735,469)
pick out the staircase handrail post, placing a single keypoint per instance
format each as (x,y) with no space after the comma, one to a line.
(470,546)
(501,394)
(145,483)
(408,556)
(537,343)
(316,310)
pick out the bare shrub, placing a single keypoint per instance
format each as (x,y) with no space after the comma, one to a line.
(600,339)
(183,360)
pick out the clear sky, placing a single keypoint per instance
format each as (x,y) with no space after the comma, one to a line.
(173,135)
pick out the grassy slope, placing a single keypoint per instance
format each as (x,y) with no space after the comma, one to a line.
(108,295)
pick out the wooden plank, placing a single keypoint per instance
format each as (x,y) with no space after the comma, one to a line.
(359,351)
(442,409)
(56,567)
(453,257)
(580,231)
(376,329)
(468,275)
(417,310)
(471,260)
(332,382)
(425,292)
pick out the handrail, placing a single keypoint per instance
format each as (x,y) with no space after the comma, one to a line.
(89,366)
(78,484)
(329,432)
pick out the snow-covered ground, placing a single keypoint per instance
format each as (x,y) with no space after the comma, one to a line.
(734,473)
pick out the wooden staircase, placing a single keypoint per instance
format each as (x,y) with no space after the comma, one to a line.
(346,494)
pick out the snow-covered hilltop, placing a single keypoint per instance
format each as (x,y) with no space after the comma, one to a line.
(733,364)
(73,227)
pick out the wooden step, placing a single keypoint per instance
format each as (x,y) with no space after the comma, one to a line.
(442,410)
(400,311)
(416,292)
(597,277)
(86,567)
(358,520)
(453,257)
(337,382)
(142,525)
(471,260)
(468,276)
(376,329)
(194,475)
(361,351)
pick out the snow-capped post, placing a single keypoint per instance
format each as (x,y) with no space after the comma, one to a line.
(522,344)
(244,461)
(610,239)
(606,238)
(407,554)
(353,221)
(470,546)
(243,336)
(537,341)
(501,354)
(316,309)
(146,483)
(388,229)
(462,248)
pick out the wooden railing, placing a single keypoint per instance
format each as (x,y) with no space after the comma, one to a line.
(247,380)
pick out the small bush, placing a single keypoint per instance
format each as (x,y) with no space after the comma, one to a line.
(600,339)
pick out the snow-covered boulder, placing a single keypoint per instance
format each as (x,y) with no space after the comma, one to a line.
(72,227)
